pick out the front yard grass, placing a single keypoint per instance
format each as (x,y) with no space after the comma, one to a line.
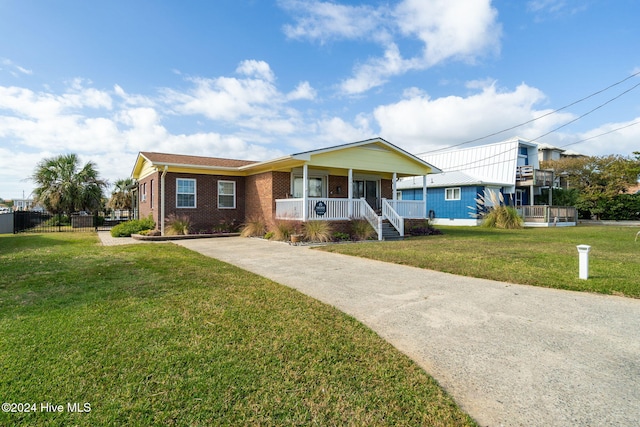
(532,256)
(155,334)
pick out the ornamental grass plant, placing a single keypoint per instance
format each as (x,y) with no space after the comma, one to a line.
(317,231)
(254,227)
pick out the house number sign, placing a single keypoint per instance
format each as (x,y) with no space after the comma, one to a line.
(320,208)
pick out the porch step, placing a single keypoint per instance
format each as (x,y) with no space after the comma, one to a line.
(389,232)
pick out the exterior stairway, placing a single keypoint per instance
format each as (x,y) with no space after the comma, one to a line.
(389,232)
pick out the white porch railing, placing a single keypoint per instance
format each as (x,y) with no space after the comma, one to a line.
(409,208)
(389,213)
(345,209)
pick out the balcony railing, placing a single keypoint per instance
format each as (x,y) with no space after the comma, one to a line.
(527,175)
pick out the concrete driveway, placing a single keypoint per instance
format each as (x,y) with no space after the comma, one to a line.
(510,355)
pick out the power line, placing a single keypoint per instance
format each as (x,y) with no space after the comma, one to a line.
(545,115)
(602,134)
(466,165)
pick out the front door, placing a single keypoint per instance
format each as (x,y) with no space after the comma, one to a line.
(368,190)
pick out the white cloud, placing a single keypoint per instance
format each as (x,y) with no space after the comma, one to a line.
(462,30)
(543,9)
(419,123)
(325,21)
(258,69)
(13,68)
(624,136)
(302,91)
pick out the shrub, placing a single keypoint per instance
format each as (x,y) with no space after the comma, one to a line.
(424,229)
(269,235)
(284,229)
(361,229)
(134,226)
(178,225)
(226,226)
(58,220)
(494,212)
(317,231)
(340,237)
(254,227)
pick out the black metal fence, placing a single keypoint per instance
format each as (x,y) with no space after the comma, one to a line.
(43,222)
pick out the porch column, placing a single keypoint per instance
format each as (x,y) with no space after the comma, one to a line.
(424,195)
(394,188)
(350,192)
(531,196)
(305,191)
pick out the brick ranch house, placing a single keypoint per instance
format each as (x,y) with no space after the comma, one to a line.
(339,183)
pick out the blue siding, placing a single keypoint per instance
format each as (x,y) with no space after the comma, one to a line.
(454,209)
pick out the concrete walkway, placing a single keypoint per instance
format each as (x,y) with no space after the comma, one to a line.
(510,355)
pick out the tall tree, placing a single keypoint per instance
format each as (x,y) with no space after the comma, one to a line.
(63,186)
(121,194)
(598,179)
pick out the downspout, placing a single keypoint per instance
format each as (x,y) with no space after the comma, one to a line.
(162,199)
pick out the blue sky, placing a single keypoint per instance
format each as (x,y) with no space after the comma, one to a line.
(256,79)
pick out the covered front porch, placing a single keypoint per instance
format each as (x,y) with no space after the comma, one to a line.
(393,212)
(355,182)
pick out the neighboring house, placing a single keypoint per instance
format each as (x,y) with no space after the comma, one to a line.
(510,167)
(338,183)
(26,205)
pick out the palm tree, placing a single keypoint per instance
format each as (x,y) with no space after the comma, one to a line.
(121,194)
(64,187)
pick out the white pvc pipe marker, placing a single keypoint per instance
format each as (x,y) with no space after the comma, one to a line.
(583,258)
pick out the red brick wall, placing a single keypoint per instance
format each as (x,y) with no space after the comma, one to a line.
(338,181)
(263,190)
(206,216)
(386,189)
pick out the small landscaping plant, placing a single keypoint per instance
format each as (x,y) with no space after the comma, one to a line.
(283,229)
(254,227)
(317,231)
(178,225)
(361,229)
(424,229)
(341,237)
(134,226)
(495,213)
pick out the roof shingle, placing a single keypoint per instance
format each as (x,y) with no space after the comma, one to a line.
(180,159)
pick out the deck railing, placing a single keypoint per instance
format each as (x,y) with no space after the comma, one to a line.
(548,214)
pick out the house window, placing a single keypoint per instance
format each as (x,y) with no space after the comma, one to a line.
(185,193)
(316,187)
(143,195)
(226,194)
(452,193)
(151,193)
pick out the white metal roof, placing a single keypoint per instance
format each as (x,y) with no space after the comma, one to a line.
(490,163)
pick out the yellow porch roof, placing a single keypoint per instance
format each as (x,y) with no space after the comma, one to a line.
(375,156)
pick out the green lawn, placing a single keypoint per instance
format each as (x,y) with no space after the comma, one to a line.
(533,256)
(158,335)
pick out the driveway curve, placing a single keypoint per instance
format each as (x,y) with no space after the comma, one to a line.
(510,355)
